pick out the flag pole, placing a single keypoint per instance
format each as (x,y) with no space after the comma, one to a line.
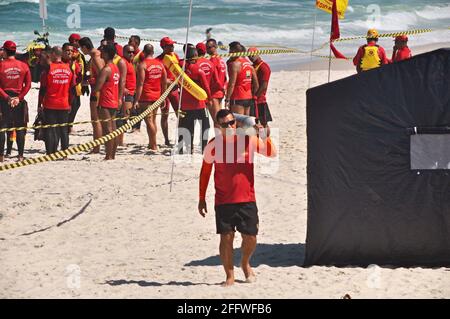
(312,48)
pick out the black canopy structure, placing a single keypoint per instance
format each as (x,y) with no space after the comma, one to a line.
(379,166)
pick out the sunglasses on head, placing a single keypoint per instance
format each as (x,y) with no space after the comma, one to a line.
(226,124)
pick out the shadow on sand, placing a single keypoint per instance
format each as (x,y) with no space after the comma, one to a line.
(272,255)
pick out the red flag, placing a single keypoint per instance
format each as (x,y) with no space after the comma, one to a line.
(336,53)
(335,33)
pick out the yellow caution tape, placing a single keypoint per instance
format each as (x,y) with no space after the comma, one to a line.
(392,34)
(23,128)
(89,145)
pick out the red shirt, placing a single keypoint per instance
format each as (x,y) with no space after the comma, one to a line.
(208,67)
(170,76)
(188,102)
(401,54)
(58,82)
(15,76)
(233,160)
(119,49)
(263,74)
(130,82)
(109,94)
(243,86)
(218,86)
(154,71)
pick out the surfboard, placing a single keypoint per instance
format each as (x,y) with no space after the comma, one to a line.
(193,88)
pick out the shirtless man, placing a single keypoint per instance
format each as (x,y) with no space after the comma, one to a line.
(96,64)
(243,83)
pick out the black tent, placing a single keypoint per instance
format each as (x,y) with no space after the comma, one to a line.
(379,166)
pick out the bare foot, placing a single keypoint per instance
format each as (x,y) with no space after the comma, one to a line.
(20,158)
(250,279)
(228,283)
(248,272)
(94,151)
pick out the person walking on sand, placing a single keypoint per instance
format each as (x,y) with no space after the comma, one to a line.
(235,202)
(110,97)
(370,55)
(151,83)
(242,84)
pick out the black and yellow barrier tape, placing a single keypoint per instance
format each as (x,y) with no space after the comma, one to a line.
(393,34)
(89,145)
(258,52)
(23,128)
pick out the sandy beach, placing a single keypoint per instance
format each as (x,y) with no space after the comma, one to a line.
(85,228)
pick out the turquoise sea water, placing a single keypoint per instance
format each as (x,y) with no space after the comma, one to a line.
(278,22)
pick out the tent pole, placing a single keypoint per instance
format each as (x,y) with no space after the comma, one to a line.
(181,95)
(329,64)
(312,48)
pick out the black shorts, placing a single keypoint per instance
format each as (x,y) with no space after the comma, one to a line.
(112,112)
(263,113)
(129,98)
(240,216)
(244,103)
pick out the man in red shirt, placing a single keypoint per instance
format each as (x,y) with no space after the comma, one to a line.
(370,55)
(15,82)
(235,201)
(193,109)
(130,88)
(56,86)
(109,34)
(166,44)
(211,74)
(401,50)
(107,86)
(243,82)
(220,83)
(77,66)
(96,64)
(151,83)
(263,73)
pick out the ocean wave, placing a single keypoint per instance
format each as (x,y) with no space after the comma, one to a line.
(435,12)
(8,2)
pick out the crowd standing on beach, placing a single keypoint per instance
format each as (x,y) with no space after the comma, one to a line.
(124,82)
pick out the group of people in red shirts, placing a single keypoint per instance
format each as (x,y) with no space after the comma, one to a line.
(372,55)
(124,81)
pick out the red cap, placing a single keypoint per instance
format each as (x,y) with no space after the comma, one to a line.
(166,41)
(201,48)
(401,38)
(9,45)
(74,37)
